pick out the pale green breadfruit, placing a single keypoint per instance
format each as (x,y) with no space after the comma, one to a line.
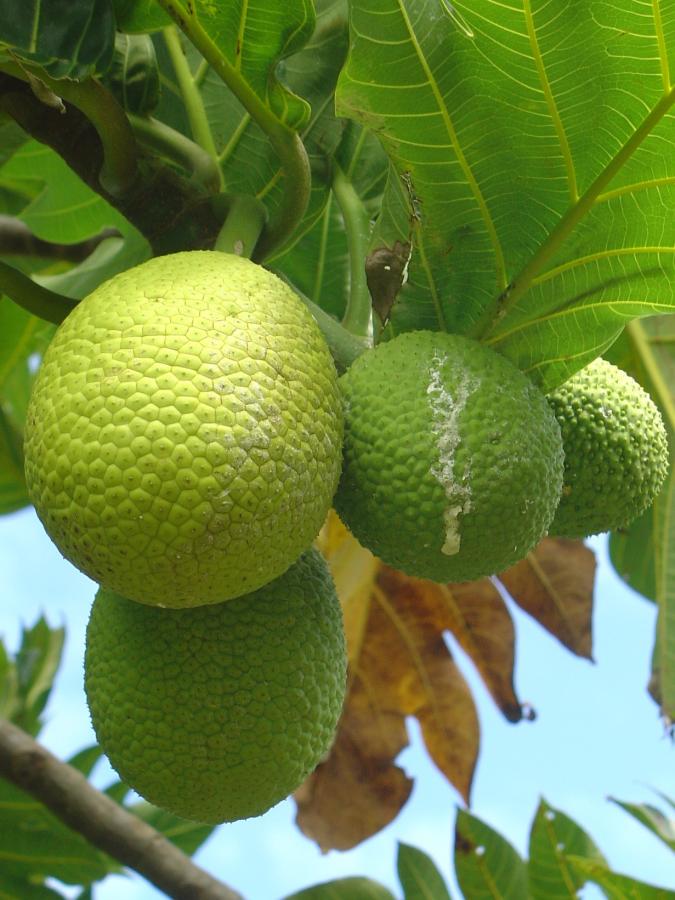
(218,713)
(452,457)
(183,437)
(616,450)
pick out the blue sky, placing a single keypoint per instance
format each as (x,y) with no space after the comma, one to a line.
(597,734)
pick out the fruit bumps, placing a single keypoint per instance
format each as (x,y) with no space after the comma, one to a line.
(183,436)
(452,458)
(219,713)
(616,450)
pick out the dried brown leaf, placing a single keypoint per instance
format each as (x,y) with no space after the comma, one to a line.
(478,618)
(554,584)
(399,666)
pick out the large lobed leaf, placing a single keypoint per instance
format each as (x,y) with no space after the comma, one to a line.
(537,187)
(644,553)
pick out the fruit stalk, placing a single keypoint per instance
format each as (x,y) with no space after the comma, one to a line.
(105,824)
(33,297)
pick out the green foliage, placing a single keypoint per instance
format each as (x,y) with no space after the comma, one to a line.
(463,131)
(419,877)
(541,260)
(36,845)
(69,40)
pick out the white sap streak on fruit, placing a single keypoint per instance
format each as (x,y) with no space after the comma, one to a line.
(445,412)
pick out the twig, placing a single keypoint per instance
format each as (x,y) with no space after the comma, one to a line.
(105,824)
(16,239)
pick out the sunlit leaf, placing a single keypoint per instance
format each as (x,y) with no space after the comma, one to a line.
(486,865)
(615,886)
(525,233)
(419,877)
(69,40)
(554,584)
(553,837)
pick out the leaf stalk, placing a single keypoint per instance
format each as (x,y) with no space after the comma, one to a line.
(358,317)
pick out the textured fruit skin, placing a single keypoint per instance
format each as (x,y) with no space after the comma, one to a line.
(452,458)
(616,450)
(184,432)
(218,713)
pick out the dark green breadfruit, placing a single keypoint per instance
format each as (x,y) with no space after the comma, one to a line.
(616,451)
(218,713)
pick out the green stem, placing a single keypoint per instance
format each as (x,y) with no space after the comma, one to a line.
(173,145)
(201,130)
(640,341)
(286,142)
(344,346)
(120,157)
(33,297)
(521,283)
(358,314)
(243,225)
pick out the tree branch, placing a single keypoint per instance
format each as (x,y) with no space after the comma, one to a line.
(169,211)
(105,824)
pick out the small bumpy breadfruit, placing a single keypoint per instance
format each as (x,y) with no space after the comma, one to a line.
(218,713)
(616,450)
(183,439)
(452,458)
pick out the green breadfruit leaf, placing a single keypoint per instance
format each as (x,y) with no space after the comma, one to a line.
(318,264)
(14,887)
(64,209)
(419,877)
(553,837)
(187,836)
(485,862)
(344,889)
(137,16)
(254,38)
(37,661)
(525,234)
(652,818)
(616,886)
(13,493)
(133,76)
(68,38)
(249,164)
(36,845)
(85,760)
(644,553)
(23,339)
